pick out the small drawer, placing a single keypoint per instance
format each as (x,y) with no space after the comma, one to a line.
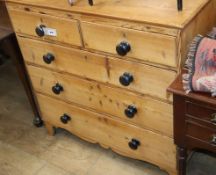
(139,110)
(201,133)
(121,137)
(46,27)
(146,79)
(150,47)
(203,113)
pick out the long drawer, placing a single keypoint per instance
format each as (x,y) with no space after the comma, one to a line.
(46,27)
(145,46)
(140,110)
(97,128)
(146,79)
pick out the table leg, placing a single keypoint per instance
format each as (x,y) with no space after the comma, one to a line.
(182,160)
(11,45)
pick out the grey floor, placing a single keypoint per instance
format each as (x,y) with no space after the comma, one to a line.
(26,150)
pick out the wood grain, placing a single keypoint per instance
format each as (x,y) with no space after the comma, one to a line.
(67,30)
(96,19)
(161,49)
(88,68)
(149,80)
(155,12)
(115,134)
(105,99)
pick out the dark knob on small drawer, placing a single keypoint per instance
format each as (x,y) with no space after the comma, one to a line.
(40,30)
(57,89)
(134,144)
(126,79)
(91,2)
(123,48)
(48,58)
(65,118)
(213,120)
(213,141)
(131,111)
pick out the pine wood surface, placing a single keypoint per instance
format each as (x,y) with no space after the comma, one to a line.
(102,98)
(202,23)
(140,26)
(88,68)
(157,48)
(156,12)
(147,79)
(67,30)
(115,134)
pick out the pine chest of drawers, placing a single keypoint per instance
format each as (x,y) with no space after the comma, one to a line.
(101,72)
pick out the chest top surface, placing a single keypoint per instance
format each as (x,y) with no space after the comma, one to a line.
(159,12)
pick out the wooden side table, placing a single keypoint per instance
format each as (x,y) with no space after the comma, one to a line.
(9,44)
(194,122)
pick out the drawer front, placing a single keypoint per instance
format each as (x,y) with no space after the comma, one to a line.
(48,27)
(201,133)
(200,112)
(146,79)
(111,133)
(64,59)
(114,101)
(150,47)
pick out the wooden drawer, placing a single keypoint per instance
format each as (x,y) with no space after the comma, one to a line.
(151,47)
(66,59)
(205,134)
(111,133)
(130,107)
(147,79)
(204,113)
(67,31)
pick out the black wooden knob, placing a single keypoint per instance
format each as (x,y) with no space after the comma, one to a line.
(48,58)
(65,118)
(134,144)
(40,30)
(123,48)
(131,111)
(126,79)
(57,89)
(91,2)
